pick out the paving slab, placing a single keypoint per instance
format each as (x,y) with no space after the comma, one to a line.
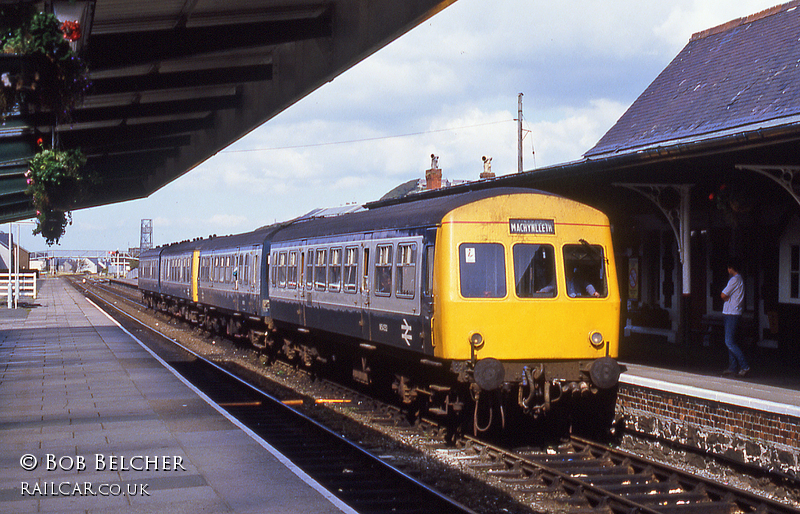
(90,422)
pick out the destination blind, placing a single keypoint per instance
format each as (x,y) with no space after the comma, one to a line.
(519,226)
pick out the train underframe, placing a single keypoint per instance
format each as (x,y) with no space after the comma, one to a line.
(481,396)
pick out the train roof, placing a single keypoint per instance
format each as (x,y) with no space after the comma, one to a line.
(412,214)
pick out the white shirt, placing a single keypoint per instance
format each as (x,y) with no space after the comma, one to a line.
(735,291)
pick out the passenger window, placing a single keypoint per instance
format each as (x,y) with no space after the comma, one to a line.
(335,270)
(282,269)
(310,270)
(406,270)
(534,271)
(292,272)
(482,268)
(350,270)
(319,269)
(383,271)
(584,266)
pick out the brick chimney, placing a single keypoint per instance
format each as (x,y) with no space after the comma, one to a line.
(433,176)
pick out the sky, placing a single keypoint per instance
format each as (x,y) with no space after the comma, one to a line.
(447,87)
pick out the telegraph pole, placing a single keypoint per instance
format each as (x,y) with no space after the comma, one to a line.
(519,133)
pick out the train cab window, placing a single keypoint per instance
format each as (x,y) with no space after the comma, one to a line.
(291,275)
(534,271)
(320,269)
(584,266)
(406,270)
(350,270)
(482,268)
(383,270)
(335,270)
(282,269)
(310,270)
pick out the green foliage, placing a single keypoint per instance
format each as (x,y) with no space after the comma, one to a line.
(57,78)
(56,181)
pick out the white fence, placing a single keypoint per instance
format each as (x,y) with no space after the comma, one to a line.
(28,286)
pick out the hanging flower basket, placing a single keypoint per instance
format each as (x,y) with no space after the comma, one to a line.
(38,68)
(57,180)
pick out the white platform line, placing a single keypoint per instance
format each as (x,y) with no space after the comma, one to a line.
(707,394)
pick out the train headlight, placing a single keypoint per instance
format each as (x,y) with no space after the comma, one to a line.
(596,338)
(476,340)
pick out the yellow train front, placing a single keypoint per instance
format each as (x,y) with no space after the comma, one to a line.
(526,307)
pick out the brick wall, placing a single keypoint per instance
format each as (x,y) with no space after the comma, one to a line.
(766,439)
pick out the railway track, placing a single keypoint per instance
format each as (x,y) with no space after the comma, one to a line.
(360,479)
(580,476)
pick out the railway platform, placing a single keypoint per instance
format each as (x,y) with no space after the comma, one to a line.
(676,392)
(90,421)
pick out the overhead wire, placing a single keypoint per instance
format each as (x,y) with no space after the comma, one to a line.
(351,141)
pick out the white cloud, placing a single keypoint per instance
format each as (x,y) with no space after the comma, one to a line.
(580,64)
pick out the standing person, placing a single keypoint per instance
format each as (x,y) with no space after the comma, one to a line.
(733,296)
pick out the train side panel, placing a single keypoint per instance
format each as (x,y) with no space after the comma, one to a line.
(229,278)
(364,286)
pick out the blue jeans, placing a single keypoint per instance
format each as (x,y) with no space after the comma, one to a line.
(734,352)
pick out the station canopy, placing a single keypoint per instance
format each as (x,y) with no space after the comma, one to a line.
(175,81)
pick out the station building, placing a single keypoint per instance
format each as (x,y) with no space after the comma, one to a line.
(704,166)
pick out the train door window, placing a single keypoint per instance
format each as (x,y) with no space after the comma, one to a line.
(383,270)
(273,273)
(246,269)
(310,270)
(335,270)
(291,276)
(228,270)
(534,271)
(282,269)
(365,273)
(482,268)
(350,270)
(428,279)
(255,270)
(406,270)
(584,266)
(320,269)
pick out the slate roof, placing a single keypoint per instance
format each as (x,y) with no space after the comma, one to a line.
(735,78)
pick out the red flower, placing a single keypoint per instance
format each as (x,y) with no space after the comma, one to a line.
(39,141)
(711,196)
(71,30)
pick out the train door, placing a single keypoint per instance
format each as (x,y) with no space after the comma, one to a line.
(427,310)
(195,271)
(366,293)
(303,289)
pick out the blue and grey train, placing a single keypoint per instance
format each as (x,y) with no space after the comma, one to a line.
(458,304)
